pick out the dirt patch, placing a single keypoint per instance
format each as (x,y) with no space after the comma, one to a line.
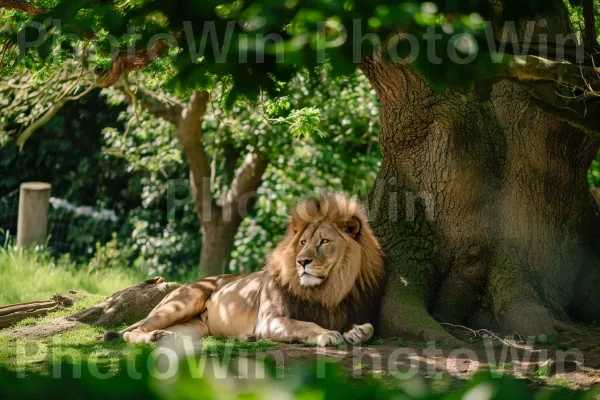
(571,360)
(39,331)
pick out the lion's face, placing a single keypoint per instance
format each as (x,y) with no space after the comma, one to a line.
(318,251)
(329,251)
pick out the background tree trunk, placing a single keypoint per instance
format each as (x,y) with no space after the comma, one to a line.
(217,242)
(482,207)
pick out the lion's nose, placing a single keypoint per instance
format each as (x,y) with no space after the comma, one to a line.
(304,261)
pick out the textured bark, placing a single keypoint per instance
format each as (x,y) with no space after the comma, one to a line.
(219,228)
(217,243)
(503,223)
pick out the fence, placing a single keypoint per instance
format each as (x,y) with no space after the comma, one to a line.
(71,228)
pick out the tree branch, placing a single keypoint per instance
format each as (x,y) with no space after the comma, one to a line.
(51,112)
(131,60)
(189,133)
(589,126)
(247,180)
(152,102)
(23,6)
(533,68)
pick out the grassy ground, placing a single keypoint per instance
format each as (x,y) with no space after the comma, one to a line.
(79,354)
(30,276)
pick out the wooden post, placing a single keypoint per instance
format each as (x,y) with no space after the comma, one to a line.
(34,201)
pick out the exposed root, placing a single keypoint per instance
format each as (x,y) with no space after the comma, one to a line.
(476,335)
(533,320)
(410,317)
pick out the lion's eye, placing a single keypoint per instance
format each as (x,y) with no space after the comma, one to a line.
(324,241)
(303,242)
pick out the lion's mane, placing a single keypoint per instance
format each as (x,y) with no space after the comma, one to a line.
(350,292)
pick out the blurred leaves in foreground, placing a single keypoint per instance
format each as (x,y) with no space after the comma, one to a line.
(194,379)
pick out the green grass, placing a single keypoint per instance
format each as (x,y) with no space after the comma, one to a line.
(506,366)
(76,345)
(542,371)
(213,345)
(30,276)
(559,381)
(400,341)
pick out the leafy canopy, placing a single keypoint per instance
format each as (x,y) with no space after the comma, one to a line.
(256,44)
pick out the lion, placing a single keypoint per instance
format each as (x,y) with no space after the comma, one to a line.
(320,285)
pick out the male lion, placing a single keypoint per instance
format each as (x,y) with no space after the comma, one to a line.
(319,286)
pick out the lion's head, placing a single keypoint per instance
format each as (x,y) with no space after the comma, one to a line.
(328,252)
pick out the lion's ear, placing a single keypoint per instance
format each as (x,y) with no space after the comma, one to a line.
(353,227)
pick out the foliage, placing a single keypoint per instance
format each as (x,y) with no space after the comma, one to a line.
(594,172)
(346,158)
(327,147)
(159,242)
(319,133)
(308,32)
(315,381)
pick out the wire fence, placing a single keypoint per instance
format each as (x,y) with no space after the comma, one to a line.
(71,229)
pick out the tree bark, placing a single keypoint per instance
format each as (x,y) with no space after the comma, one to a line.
(219,229)
(482,207)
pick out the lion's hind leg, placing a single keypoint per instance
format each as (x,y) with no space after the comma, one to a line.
(180,306)
(194,329)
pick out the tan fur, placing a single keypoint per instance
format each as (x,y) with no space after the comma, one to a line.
(345,258)
(363,258)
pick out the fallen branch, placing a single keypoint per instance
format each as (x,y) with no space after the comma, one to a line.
(14,313)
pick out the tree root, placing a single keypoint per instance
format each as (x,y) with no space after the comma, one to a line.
(533,320)
(410,317)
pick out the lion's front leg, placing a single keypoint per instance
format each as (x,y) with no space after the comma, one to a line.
(287,330)
(359,334)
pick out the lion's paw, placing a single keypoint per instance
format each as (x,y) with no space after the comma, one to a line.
(359,334)
(329,338)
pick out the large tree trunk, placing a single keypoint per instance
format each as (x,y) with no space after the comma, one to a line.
(481,204)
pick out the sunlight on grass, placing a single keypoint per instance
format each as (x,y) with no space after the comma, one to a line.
(213,345)
(30,276)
